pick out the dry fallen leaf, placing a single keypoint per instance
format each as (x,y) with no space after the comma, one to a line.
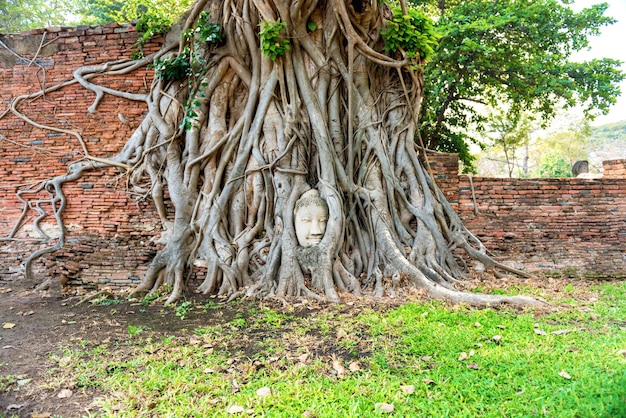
(338,368)
(426,358)
(354,366)
(8,325)
(622,352)
(540,332)
(383,407)
(463,356)
(408,389)
(428,381)
(235,409)
(473,366)
(264,392)
(476,324)
(497,338)
(564,374)
(64,393)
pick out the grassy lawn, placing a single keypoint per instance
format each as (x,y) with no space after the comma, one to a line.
(422,359)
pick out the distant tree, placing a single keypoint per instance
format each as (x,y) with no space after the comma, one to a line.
(509,133)
(510,53)
(608,142)
(554,165)
(20,15)
(556,153)
(96,12)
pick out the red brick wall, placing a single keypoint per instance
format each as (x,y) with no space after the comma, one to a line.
(104,222)
(614,168)
(571,227)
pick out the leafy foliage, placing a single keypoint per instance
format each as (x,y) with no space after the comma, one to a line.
(173,68)
(412,33)
(183,310)
(555,165)
(204,30)
(274,42)
(189,64)
(511,54)
(150,25)
(21,15)
(152,17)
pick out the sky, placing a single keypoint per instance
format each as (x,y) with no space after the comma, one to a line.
(610,44)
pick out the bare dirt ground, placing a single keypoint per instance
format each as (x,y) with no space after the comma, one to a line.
(36,326)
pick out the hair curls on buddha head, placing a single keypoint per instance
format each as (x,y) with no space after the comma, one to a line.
(310,197)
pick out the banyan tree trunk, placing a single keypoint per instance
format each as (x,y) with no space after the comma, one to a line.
(227,151)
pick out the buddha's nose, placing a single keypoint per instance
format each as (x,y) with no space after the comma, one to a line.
(316,227)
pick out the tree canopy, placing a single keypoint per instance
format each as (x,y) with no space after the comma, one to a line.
(21,15)
(514,56)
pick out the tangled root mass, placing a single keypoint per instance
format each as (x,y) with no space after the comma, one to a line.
(226,152)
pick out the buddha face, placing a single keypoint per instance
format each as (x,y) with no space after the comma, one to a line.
(311,215)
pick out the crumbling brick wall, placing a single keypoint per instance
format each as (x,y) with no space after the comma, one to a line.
(570,226)
(109,229)
(614,168)
(573,227)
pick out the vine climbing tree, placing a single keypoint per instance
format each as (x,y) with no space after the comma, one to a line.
(255,102)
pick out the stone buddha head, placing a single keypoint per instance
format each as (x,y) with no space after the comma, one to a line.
(310,218)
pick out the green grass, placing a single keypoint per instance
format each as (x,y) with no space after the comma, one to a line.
(341,363)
